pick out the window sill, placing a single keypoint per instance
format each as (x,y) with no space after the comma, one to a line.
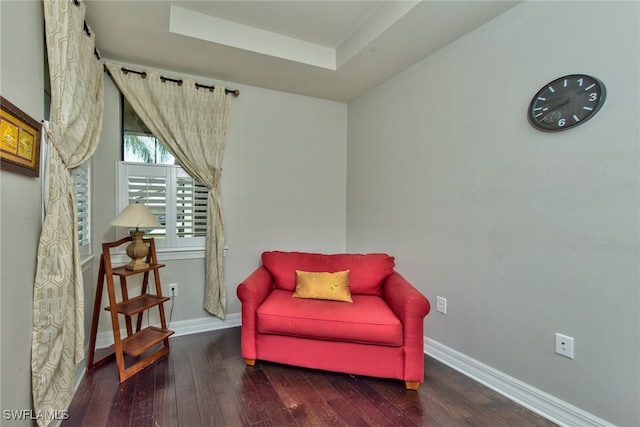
(86,262)
(165,254)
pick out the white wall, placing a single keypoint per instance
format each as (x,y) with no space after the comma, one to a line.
(283,186)
(525,233)
(22,44)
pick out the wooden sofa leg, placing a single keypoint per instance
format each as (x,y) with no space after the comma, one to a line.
(412,385)
(250,362)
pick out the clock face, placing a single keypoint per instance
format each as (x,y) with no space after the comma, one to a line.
(566,102)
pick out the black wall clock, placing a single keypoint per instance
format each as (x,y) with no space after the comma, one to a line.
(566,102)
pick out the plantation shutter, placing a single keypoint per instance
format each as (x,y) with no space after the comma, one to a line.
(152,192)
(191,208)
(146,184)
(81,186)
(178,201)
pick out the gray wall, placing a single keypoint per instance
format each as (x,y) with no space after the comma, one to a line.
(525,233)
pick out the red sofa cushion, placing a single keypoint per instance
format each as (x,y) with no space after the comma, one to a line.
(367,320)
(367,271)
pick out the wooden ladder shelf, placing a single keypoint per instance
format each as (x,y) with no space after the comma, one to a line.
(146,345)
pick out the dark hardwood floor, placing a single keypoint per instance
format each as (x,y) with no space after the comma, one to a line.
(204,382)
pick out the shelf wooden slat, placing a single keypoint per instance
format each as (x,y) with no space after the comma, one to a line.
(142,341)
(138,304)
(123,272)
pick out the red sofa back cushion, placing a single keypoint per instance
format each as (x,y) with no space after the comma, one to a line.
(367,271)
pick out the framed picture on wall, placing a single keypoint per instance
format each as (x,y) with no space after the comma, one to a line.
(19,140)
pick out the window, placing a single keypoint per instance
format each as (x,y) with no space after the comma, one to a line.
(146,149)
(149,174)
(139,144)
(178,201)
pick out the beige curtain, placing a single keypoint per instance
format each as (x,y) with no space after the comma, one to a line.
(75,123)
(192,123)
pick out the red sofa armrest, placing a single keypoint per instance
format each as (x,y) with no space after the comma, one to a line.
(411,307)
(252,292)
(404,299)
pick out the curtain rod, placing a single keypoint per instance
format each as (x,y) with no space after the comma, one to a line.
(164,79)
(85,27)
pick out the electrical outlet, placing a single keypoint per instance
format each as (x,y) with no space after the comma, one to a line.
(441,305)
(564,345)
(173,290)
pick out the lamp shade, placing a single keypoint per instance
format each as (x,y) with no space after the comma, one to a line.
(135,215)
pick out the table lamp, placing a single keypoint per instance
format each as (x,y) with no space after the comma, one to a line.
(136,215)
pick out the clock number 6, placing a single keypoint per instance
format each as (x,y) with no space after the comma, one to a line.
(562,122)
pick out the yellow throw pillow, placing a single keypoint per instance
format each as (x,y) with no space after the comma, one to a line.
(329,286)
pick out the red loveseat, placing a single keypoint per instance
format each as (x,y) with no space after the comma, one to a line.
(379,334)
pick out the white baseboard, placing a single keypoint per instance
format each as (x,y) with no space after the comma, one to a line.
(205,324)
(550,407)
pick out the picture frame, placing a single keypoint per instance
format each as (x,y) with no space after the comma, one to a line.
(19,140)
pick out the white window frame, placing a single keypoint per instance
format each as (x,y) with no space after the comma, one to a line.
(170,247)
